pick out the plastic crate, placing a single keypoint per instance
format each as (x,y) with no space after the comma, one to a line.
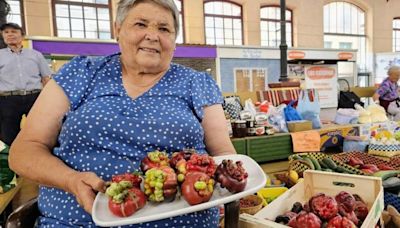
(395,162)
(392,199)
(269,148)
(240,145)
(366,158)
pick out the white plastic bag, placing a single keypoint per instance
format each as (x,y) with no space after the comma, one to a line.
(249,106)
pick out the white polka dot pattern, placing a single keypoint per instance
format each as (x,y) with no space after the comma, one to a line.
(107,132)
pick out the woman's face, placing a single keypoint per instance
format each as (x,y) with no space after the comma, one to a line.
(147,38)
(394,76)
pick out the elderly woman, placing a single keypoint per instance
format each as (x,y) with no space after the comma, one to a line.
(387,94)
(104,114)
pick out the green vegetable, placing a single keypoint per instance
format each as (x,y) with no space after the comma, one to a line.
(315,163)
(385,174)
(309,162)
(330,163)
(323,165)
(296,157)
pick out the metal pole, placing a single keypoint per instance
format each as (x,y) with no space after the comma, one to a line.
(283,46)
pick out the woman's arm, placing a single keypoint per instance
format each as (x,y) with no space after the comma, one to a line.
(216,135)
(30,154)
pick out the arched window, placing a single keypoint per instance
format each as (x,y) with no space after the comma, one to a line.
(396,34)
(180,38)
(82,19)
(270,26)
(344,28)
(16,14)
(223,23)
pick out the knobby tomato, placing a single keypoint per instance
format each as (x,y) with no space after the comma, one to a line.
(197,188)
(133,178)
(133,201)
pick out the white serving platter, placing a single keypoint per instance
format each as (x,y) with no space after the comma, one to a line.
(102,216)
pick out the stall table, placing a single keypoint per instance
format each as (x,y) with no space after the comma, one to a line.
(6,198)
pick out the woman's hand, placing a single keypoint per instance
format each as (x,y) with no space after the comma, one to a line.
(84,185)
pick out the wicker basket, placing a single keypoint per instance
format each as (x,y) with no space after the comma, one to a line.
(252,210)
(384,150)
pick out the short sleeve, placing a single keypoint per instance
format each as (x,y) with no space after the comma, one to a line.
(43,65)
(383,89)
(204,92)
(74,78)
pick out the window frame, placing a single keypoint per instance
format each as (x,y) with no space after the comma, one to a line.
(362,58)
(21,13)
(182,12)
(94,5)
(394,37)
(278,21)
(223,16)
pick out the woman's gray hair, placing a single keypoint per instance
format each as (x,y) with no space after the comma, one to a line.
(393,69)
(125,5)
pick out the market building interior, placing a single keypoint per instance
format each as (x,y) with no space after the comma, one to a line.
(334,48)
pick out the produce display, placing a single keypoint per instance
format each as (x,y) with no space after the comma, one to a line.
(194,175)
(321,162)
(384,143)
(342,211)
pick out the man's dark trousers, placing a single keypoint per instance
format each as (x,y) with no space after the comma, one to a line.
(11,110)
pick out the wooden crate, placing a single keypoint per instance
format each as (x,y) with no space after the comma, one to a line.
(316,182)
(269,148)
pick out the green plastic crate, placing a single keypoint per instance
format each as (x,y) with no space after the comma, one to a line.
(269,148)
(240,145)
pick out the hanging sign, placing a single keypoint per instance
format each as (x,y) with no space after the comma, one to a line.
(296,55)
(324,79)
(345,55)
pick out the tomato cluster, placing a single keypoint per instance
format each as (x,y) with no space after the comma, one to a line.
(196,174)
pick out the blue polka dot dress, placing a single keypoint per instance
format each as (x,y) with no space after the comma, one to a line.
(108,132)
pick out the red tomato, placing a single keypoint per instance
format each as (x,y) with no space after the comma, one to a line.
(191,195)
(135,179)
(133,201)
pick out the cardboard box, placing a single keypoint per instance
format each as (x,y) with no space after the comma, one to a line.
(328,183)
(333,137)
(301,125)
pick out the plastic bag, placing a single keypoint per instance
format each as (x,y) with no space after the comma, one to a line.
(378,113)
(232,106)
(276,119)
(346,116)
(249,106)
(309,110)
(291,113)
(365,116)
(354,143)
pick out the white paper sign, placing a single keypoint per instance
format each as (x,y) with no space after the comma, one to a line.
(324,79)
